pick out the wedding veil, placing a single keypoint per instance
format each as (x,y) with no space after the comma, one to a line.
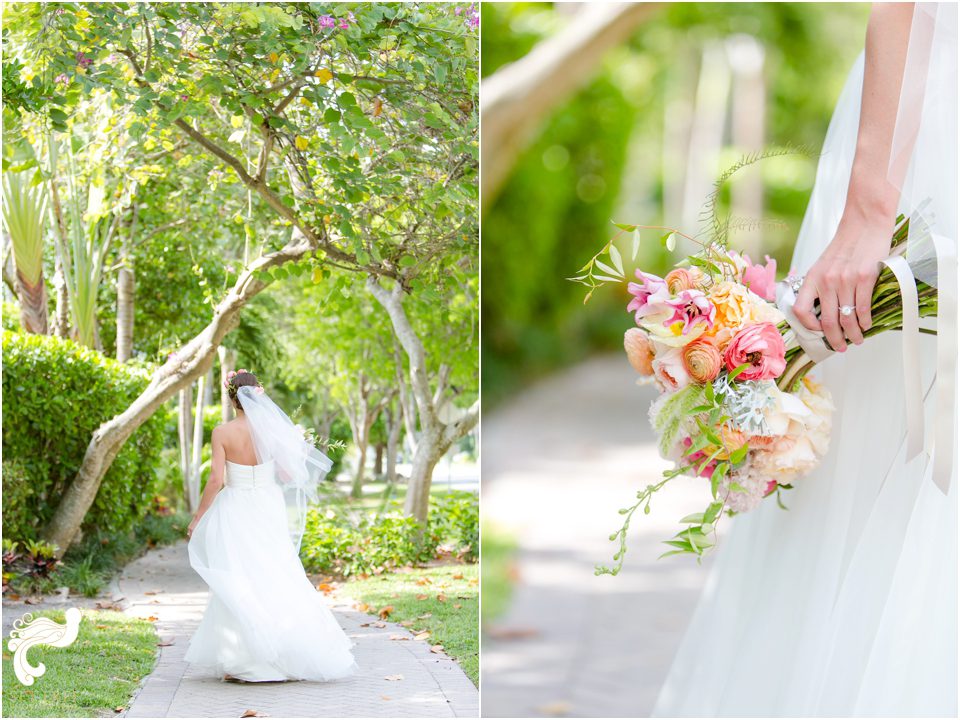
(299,466)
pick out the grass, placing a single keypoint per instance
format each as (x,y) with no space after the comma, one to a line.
(93,677)
(414,595)
(497,549)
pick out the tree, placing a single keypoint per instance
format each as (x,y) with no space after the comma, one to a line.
(351,121)
(24,208)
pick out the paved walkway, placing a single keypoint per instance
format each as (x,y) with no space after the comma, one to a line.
(162,585)
(558,462)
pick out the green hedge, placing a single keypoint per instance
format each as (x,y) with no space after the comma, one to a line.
(56,393)
(338,541)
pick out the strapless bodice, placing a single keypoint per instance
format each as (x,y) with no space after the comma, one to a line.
(250,476)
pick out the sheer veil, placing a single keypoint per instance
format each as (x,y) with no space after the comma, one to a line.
(298,465)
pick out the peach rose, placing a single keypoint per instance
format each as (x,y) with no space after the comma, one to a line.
(669,371)
(761,346)
(639,350)
(702,360)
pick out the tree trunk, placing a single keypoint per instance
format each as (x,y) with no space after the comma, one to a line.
(197,447)
(125,293)
(185,434)
(9,269)
(393,440)
(191,361)
(33,305)
(62,314)
(436,436)
(228,359)
(518,97)
(378,460)
(356,490)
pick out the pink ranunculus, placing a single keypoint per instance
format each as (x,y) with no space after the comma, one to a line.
(762,347)
(771,486)
(669,371)
(761,279)
(649,286)
(639,350)
(691,307)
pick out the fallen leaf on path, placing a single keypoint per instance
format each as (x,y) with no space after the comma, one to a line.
(362,607)
(407,623)
(399,637)
(393,677)
(152,592)
(436,649)
(458,576)
(152,618)
(441,597)
(555,709)
(100,627)
(165,643)
(380,625)
(515,633)
(384,612)
(457,606)
(33,600)
(421,596)
(107,605)
(424,616)
(384,697)
(422,635)
(119,708)
(424,581)
(253,713)
(325,588)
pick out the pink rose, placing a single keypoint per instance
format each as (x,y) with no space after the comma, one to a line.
(762,347)
(669,371)
(639,350)
(761,279)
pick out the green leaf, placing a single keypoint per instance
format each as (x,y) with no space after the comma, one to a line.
(693,519)
(736,371)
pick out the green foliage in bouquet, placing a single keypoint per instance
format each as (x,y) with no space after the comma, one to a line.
(57,393)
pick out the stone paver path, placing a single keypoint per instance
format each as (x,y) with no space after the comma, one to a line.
(559,460)
(162,585)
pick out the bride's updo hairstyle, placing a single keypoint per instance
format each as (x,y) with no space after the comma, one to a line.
(237,380)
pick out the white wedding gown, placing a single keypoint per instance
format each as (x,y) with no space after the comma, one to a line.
(845,605)
(264,620)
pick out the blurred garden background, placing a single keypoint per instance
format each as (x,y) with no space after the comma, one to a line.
(594,114)
(190,189)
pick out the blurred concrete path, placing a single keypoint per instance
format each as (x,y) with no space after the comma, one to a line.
(559,460)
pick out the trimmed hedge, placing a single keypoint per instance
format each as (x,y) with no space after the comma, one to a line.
(338,542)
(56,393)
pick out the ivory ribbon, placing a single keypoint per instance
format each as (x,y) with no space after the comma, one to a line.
(913,388)
(946,362)
(810,340)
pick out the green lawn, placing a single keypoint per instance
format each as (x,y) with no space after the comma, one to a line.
(92,677)
(456,628)
(497,549)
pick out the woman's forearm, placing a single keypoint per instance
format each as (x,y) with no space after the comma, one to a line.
(213,486)
(888,32)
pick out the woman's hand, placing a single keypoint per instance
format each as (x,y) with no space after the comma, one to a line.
(192,526)
(845,276)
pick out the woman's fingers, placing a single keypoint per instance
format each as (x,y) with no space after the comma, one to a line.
(830,320)
(864,299)
(803,307)
(848,316)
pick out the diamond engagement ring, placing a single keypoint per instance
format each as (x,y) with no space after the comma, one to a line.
(846,310)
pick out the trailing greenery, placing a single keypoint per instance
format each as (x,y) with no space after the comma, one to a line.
(57,393)
(93,677)
(339,540)
(441,600)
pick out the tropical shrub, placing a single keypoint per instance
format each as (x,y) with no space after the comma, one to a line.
(57,393)
(455,519)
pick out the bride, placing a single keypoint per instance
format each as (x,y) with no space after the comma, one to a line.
(264,620)
(847,604)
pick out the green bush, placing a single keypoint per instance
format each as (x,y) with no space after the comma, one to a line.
(57,393)
(340,541)
(11,316)
(455,519)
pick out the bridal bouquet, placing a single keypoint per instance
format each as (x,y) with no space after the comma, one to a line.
(736,406)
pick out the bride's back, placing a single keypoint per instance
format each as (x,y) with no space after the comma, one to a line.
(237,443)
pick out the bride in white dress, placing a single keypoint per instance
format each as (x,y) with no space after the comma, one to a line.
(264,620)
(846,605)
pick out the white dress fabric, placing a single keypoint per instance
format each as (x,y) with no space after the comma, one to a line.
(846,604)
(264,620)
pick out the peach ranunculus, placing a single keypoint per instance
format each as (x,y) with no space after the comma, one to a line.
(761,346)
(680,279)
(702,360)
(639,349)
(669,371)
